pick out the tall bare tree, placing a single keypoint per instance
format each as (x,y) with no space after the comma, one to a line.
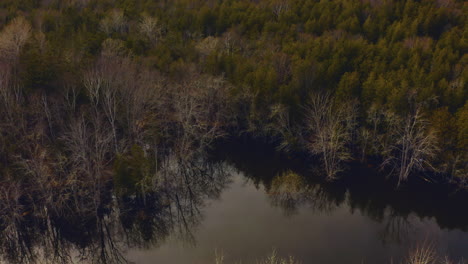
(200,105)
(151,28)
(114,22)
(144,101)
(14,36)
(104,82)
(12,39)
(413,147)
(331,127)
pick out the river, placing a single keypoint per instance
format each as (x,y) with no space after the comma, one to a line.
(243,202)
(267,205)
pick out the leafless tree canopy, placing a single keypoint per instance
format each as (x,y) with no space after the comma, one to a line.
(114,22)
(151,28)
(412,146)
(331,126)
(13,37)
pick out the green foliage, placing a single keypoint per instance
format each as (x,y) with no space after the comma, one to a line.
(273,52)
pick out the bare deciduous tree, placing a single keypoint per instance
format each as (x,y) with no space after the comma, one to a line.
(208,45)
(104,82)
(413,146)
(143,102)
(424,253)
(13,37)
(231,42)
(200,109)
(151,28)
(128,95)
(114,22)
(88,146)
(331,128)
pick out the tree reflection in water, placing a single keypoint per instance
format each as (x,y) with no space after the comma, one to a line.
(31,232)
(292,183)
(290,190)
(397,228)
(98,225)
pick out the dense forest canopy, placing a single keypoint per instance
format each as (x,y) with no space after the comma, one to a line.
(107,101)
(85,82)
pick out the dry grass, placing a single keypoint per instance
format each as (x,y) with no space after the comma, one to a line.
(446,260)
(219,257)
(422,254)
(272,259)
(275,259)
(425,253)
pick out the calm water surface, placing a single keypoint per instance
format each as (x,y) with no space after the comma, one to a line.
(248,221)
(244,201)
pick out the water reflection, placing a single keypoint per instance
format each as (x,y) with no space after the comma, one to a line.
(290,185)
(142,220)
(397,228)
(290,190)
(81,230)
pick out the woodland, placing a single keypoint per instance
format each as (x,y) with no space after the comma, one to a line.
(98,93)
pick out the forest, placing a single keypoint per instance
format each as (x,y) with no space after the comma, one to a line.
(85,83)
(99,93)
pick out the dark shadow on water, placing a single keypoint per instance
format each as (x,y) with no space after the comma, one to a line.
(139,220)
(367,189)
(173,206)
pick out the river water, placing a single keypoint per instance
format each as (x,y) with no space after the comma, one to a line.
(247,222)
(243,202)
(268,205)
